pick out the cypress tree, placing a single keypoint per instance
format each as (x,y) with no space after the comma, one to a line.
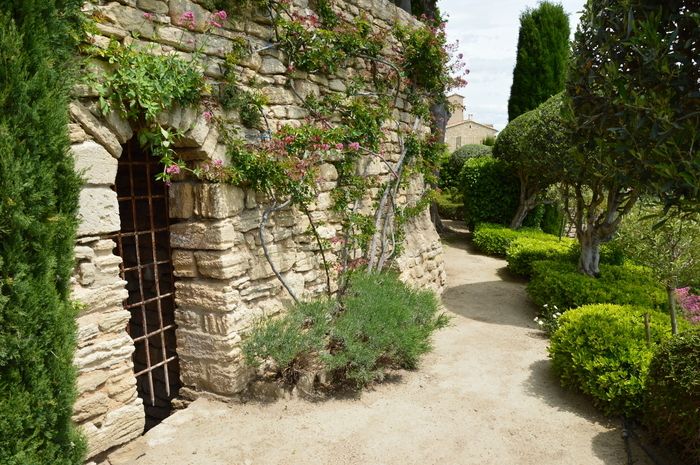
(543,51)
(38,203)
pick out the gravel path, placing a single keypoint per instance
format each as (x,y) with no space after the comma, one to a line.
(484,396)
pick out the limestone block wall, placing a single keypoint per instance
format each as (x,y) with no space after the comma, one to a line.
(223,282)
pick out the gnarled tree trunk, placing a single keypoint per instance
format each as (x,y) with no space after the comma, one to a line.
(526,203)
(589,260)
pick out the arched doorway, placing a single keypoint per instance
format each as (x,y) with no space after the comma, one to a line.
(144,245)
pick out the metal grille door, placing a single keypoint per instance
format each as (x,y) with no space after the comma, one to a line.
(144,245)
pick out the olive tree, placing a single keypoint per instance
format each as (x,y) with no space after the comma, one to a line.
(634,113)
(534,144)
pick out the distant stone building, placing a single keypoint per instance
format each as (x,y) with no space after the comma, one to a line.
(461,131)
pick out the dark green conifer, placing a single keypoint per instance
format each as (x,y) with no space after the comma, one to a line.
(38,202)
(543,51)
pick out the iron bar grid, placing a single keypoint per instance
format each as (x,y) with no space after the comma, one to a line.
(144,245)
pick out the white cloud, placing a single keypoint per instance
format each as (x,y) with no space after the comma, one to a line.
(488,36)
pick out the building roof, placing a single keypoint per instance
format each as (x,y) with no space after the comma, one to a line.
(471,121)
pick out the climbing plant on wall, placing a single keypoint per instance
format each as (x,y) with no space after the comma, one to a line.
(342,128)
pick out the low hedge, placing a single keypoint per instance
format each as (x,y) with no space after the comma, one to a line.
(450,205)
(494,239)
(524,251)
(602,351)
(559,283)
(672,400)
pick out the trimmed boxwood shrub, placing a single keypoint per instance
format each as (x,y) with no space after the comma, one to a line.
(490,190)
(559,283)
(602,351)
(672,400)
(494,239)
(452,165)
(38,203)
(524,251)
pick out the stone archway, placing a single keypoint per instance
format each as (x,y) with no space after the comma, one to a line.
(143,243)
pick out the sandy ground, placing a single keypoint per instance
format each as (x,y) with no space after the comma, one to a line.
(484,396)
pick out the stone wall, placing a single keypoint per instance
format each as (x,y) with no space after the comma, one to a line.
(224,284)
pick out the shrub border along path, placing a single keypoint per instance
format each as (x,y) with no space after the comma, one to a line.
(485,396)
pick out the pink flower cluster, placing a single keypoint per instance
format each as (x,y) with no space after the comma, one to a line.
(217,19)
(187,20)
(690,304)
(173,169)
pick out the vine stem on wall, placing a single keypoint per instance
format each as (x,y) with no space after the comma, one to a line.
(261,231)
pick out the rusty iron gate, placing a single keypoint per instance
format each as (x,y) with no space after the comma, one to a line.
(144,245)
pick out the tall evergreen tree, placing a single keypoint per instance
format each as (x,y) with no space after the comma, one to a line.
(38,202)
(543,50)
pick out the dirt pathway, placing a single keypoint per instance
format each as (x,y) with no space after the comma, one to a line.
(484,396)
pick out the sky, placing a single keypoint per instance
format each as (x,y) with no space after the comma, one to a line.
(487,32)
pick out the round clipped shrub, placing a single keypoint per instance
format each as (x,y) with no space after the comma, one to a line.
(452,165)
(602,351)
(490,190)
(524,251)
(672,400)
(559,283)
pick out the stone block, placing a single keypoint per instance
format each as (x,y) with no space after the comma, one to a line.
(91,380)
(208,149)
(209,295)
(76,133)
(328,172)
(118,426)
(271,65)
(225,324)
(112,322)
(223,265)
(279,96)
(179,7)
(184,265)
(129,18)
(218,200)
(229,379)
(194,345)
(98,211)
(305,89)
(94,163)
(196,136)
(248,220)
(104,352)
(96,129)
(119,126)
(90,406)
(155,6)
(203,235)
(181,200)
